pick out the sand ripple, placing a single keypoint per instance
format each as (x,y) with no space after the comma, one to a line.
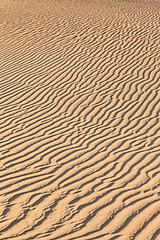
(80,120)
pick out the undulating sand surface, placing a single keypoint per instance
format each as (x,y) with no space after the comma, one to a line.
(80,119)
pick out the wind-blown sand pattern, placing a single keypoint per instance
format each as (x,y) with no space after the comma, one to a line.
(80,120)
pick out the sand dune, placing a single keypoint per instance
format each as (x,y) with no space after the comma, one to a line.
(80,120)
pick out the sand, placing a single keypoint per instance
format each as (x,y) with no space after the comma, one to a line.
(80,119)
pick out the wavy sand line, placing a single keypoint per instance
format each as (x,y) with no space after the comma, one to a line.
(80,113)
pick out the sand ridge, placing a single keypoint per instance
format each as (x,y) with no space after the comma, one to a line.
(80,120)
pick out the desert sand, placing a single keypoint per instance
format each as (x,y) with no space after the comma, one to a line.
(80,119)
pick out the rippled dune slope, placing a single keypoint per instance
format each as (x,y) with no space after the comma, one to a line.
(80,120)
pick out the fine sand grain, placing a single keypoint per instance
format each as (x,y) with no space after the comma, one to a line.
(80,119)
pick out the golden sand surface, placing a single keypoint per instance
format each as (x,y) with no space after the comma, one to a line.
(80,119)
